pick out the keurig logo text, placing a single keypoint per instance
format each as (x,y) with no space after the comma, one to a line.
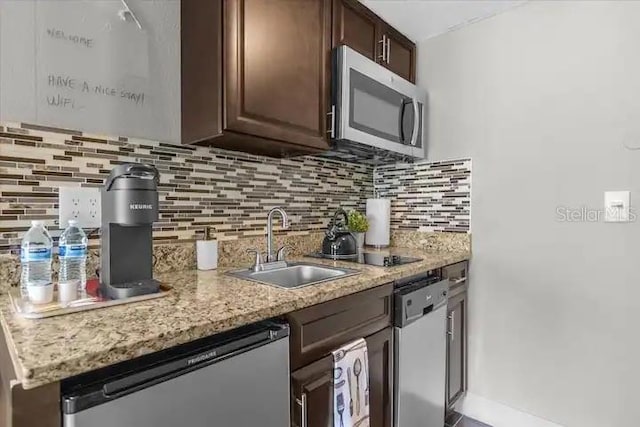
(138,206)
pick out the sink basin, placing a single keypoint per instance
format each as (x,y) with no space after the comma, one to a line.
(294,275)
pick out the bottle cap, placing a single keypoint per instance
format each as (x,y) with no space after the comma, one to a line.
(73,222)
(37,222)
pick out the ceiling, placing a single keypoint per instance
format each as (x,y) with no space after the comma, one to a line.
(421,19)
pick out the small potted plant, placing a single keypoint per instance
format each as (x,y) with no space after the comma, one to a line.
(358,225)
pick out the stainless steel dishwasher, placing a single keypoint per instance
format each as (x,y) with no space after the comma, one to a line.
(239,378)
(420,340)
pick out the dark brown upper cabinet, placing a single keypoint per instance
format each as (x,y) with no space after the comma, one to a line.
(400,56)
(362,30)
(201,56)
(277,69)
(256,74)
(355,26)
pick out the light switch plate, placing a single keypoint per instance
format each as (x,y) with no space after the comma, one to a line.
(79,203)
(616,206)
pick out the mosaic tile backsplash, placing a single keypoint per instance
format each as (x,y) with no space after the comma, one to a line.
(228,191)
(427,196)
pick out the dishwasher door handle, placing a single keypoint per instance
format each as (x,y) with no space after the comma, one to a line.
(302,402)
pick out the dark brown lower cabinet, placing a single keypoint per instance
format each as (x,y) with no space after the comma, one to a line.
(311,391)
(312,394)
(380,351)
(456,348)
(318,330)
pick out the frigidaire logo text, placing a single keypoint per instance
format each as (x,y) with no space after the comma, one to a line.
(202,357)
(138,206)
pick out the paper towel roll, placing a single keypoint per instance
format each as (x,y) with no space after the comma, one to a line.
(379,217)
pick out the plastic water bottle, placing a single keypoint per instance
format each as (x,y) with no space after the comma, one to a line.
(73,255)
(35,257)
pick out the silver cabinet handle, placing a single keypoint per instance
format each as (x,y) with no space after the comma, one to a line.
(458,280)
(302,402)
(452,328)
(383,57)
(332,122)
(416,122)
(388,50)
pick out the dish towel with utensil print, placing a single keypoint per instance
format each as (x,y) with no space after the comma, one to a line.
(351,385)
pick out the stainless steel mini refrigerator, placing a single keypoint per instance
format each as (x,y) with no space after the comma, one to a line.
(235,379)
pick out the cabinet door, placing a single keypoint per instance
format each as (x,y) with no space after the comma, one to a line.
(380,351)
(201,82)
(277,68)
(457,275)
(312,394)
(401,54)
(456,348)
(355,26)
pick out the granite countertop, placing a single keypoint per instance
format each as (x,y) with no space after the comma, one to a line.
(201,304)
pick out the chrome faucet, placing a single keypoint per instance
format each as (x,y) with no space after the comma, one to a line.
(285,224)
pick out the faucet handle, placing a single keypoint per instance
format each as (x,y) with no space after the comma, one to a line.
(257,265)
(281,252)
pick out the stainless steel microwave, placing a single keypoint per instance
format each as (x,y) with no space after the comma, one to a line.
(375,114)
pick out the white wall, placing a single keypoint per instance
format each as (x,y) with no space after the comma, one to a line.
(543,98)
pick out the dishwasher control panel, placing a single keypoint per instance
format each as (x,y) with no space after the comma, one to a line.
(418,299)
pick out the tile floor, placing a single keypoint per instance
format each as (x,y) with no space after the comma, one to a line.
(458,420)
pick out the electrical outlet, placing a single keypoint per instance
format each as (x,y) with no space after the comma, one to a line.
(79,203)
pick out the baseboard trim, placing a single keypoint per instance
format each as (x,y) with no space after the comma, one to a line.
(497,414)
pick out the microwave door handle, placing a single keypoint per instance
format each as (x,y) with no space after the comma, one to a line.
(416,122)
(403,103)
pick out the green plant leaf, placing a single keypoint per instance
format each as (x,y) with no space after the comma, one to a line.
(358,222)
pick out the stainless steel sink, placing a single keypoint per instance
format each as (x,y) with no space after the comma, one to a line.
(294,275)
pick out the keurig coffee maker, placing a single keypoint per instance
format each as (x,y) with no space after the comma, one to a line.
(129,208)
